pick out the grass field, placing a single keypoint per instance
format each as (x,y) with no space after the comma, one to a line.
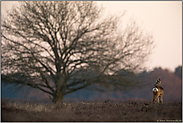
(91,111)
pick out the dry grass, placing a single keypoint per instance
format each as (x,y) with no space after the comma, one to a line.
(82,111)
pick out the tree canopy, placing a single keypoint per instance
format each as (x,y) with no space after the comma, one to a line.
(62,46)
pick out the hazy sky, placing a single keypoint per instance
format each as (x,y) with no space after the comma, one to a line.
(161,19)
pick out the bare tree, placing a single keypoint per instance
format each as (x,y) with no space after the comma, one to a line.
(60,47)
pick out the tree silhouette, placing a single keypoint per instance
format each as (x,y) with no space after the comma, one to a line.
(178,71)
(62,46)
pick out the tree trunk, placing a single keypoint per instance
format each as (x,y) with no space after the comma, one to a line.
(58,97)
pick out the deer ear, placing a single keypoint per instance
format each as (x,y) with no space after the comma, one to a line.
(159,79)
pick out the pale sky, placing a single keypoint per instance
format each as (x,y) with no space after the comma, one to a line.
(161,19)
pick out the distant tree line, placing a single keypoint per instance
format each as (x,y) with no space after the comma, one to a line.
(170,81)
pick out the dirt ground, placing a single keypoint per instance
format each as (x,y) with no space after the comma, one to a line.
(90,111)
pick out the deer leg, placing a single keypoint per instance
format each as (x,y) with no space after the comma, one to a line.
(157,97)
(161,98)
(153,97)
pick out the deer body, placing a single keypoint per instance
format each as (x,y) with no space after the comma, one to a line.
(158,91)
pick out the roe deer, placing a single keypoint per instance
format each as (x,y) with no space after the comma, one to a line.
(158,91)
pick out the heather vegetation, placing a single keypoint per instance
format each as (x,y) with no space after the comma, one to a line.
(92,111)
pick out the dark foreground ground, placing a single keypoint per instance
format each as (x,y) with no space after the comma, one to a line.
(90,111)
